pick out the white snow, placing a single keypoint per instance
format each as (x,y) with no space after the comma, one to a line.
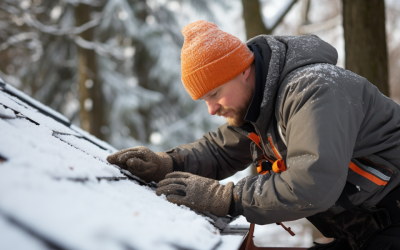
(273,235)
(36,103)
(38,191)
(30,112)
(49,185)
(17,239)
(6,113)
(94,139)
(100,215)
(231,242)
(85,146)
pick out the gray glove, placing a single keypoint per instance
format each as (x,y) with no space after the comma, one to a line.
(143,163)
(198,193)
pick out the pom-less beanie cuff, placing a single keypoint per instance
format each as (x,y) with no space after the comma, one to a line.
(210,66)
(219,72)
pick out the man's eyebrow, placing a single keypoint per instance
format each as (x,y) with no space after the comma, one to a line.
(210,92)
(205,96)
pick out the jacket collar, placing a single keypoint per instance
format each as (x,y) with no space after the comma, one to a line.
(273,52)
(253,111)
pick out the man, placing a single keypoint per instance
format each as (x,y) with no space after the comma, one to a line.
(324,140)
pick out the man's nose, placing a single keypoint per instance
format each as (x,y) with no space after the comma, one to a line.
(213,107)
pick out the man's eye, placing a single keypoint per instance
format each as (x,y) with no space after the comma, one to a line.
(214,94)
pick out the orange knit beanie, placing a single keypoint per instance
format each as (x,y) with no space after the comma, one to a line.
(211,57)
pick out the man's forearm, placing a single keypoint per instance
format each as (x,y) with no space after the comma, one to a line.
(216,155)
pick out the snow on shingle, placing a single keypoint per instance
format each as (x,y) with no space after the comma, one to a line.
(17,239)
(100,215)
(94,139)
(30,112)
(85,146)
(6,113)
(34,146)
(33,102)
(39,193)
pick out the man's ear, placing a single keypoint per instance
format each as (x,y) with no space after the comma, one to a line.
(246,73)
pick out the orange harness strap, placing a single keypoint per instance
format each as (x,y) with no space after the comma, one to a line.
(255,138)
(278,166)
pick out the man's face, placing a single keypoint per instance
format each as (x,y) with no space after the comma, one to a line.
(230,100)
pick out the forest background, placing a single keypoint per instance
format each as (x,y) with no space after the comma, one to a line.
(113,66)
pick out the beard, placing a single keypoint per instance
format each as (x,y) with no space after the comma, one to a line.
(237,115)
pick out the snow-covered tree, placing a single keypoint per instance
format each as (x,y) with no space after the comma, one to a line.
(63,52)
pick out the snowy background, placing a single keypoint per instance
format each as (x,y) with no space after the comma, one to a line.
(137,46)
(58,191)
(137,50)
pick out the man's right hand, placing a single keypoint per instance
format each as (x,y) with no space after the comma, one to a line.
(143,163)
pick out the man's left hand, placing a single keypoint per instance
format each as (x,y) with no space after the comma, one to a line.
(198,193)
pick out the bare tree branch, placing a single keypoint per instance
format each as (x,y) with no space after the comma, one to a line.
(281,15)
(253,19)
(100,48)
(30,20)
(317,27)
(94,3)
(23,37)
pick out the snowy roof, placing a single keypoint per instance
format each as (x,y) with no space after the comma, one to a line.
(58,191)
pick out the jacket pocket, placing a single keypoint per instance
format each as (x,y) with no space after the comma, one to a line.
(365,181)
(368,176)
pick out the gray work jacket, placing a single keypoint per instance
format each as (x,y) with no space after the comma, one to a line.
(320,118)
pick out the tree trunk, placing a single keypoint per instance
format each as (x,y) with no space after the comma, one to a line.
(365,40)
(90,86)
(252,19)
(255,26)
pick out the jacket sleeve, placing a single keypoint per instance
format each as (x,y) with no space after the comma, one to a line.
(321,118)
(216,155)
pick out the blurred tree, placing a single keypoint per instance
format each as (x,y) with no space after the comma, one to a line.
(110,66)
(330,18)
(393,41)
(253,18)
(36,59)
(92,115)
(146,97)
(255,25)
(365,40)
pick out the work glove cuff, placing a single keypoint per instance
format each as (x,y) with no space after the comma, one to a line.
(236,207)
(165,169)
(224,201)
